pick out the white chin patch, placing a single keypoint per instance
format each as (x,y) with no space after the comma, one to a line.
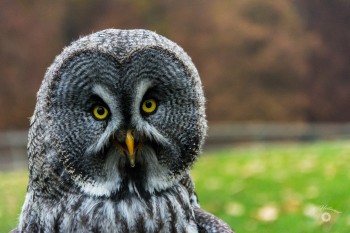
(109,182)
(158,177)
(99,189)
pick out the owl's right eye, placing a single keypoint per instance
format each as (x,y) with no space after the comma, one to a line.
(100,112)
(149,106)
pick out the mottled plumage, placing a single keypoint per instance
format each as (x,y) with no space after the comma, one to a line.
(119,122)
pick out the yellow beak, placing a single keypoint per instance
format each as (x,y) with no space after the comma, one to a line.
(129,141)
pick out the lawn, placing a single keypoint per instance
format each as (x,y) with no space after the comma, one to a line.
(299,188)
(267,188)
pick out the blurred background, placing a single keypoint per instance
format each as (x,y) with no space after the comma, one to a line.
(271,70)
(260,60)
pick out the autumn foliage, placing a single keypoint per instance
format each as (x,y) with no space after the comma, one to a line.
(259,60)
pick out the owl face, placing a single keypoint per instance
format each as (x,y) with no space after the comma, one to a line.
(128,124)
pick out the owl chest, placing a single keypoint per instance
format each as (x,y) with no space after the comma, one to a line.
(167,213)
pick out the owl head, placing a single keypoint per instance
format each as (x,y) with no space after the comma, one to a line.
(118,111)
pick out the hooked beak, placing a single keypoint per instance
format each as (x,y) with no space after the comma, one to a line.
(128,147)
(129,142)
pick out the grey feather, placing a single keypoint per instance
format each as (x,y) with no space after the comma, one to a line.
(82,176)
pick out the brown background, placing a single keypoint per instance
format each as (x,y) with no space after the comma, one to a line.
(260,60)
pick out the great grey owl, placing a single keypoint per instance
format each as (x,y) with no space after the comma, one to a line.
(119,121)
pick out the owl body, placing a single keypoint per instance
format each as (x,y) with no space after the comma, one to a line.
(119,122)
(168,211)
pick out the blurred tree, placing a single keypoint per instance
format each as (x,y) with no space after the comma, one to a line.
(259,60)
(328,84)
(26,47)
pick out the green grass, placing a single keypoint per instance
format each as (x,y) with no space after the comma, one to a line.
(266,188)
(279,188)
(13,187)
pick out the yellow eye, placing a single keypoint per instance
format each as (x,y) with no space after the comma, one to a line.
(100,112)
(149,106)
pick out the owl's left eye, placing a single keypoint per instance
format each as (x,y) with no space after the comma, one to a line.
(100,112)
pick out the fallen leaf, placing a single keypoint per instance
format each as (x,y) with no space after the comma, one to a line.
(268,213)
(235,209)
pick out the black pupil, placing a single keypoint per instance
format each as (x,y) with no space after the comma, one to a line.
(149,104)
(100,110)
